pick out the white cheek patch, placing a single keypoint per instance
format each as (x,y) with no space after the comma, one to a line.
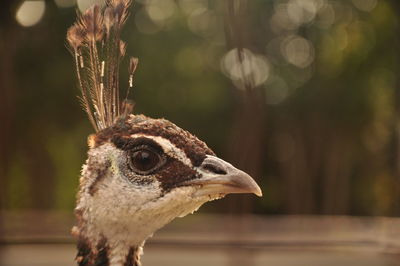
(168,147)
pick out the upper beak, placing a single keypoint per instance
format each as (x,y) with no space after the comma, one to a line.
(220,177)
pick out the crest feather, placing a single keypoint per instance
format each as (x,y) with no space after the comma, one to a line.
(97,48)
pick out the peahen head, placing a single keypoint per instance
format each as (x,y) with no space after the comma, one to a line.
(141,173)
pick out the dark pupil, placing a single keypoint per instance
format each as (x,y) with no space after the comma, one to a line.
(144,160)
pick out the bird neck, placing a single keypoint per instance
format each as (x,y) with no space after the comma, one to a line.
(106,235)
(105,254)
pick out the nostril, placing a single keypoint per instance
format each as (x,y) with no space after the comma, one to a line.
(214,169)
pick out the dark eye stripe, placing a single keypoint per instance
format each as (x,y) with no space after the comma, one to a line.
(119,134)
(127,143)
(174,173)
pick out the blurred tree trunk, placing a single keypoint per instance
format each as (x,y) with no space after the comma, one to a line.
(336,182)
(245,146)
(7,98)
(16,134)
(396,123)
(316,174)
(8,46)
(296,170)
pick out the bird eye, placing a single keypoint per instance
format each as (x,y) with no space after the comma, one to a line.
(144,161)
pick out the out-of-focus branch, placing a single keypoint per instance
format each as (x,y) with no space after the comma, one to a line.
(396,123)
(245,145)
(8,44)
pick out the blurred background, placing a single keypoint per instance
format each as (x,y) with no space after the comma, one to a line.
(301,94)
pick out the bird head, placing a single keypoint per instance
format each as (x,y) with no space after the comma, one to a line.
(142,173)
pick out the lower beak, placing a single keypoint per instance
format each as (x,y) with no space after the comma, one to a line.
(220,178)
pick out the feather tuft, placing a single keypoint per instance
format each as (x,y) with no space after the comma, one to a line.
(127,108)
(121,12)
(98,50)
(122,48)
(108,19)
(133,62)
(75,36)
(92,21)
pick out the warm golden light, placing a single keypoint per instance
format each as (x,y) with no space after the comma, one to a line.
(85,4)
(30,13)
(250,66)
(160,10)
(276,90)
(298,51)
(365,5)
(145,24)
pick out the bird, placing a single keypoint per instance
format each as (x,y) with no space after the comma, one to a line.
(141,172)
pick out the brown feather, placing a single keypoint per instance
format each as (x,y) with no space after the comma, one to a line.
(98,50)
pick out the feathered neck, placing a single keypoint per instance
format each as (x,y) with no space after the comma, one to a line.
(103,254)
(113,245)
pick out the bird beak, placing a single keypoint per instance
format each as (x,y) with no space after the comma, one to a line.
(220,178)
